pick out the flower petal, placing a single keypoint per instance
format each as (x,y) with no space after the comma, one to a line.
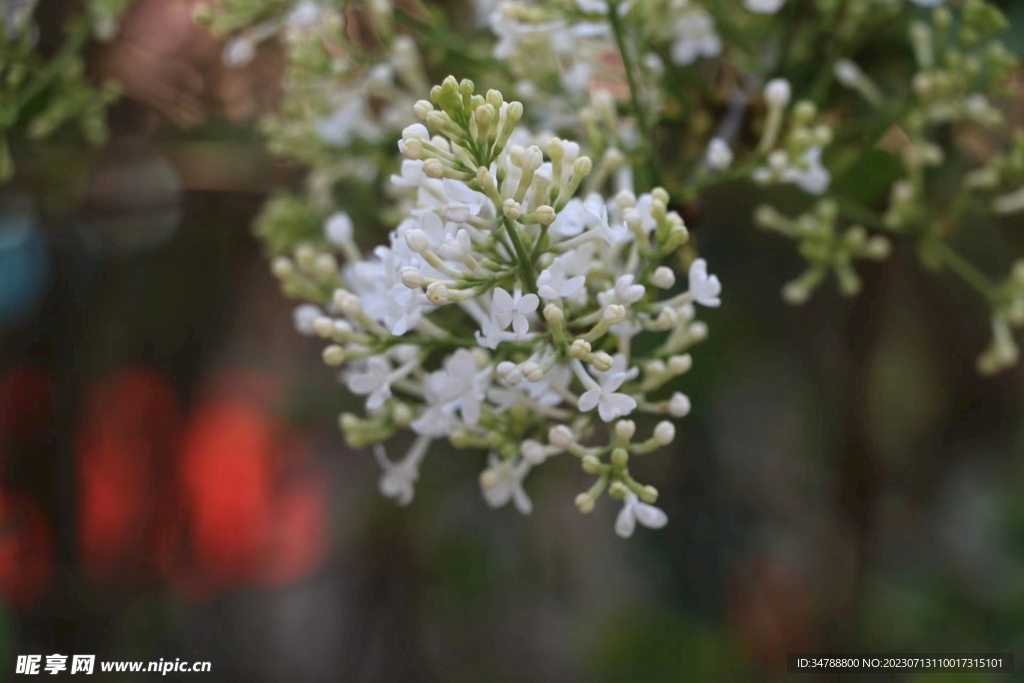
(650,516)
(625,523)
(520,325)
(612,406)
(588,401)
(522,501)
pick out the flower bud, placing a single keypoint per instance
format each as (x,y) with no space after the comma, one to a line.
(561,436)
(585,503)
(323,326)
(433,168)
(348,303)
(401,414)
(648,494)
(282,267)
(511,209)
(777,92)
(334,355)
(412,277)
(553,314)
(664,433)
(620,458)
(422,109)
(614,314)
(417,240)
(544,215)
(663,277)
(679,405)
(533,452)
(624,430)
(532,371)
(579,349)
(437,293)
(677,365)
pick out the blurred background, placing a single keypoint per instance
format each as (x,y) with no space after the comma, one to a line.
(174,484)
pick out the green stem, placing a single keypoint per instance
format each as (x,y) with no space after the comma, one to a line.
(525,265)
(643,123)
(68,51)
(963,268)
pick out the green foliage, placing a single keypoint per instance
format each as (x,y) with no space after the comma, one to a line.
(288,220)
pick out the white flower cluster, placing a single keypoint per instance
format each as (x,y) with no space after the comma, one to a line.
(798,160)
(503,312)
(345,93)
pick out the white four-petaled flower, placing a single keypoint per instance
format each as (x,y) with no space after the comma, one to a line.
(512,309)
(704,288)
(603,394)
(634,511)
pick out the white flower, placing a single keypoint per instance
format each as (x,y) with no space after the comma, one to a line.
(338,229)
(239,51)
(305,317)
(763,6)
(603,396)
(555,281)
(304,14)
(634,511)
(411,175)
(502,482)
(777,92)
(694,36)
(512,309)
(349,122)
(624,293)
(718,156)
(457,386)
(644,208)
(704,288)
(810,176)
(399,478)
(579,215)
(375,381)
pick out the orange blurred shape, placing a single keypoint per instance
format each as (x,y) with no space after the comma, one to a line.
(252,506)
(125,446)
(26,551)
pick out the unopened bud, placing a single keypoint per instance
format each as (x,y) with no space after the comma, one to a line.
(663,277)
(417,240)
(679,405)
(437,293)
(677,365)
(422,109)
(561,436)
(533,452)
(602,361)
(664,433)
(544,215)
(334,355)
(412,277)
(512,209)
(624,430)
(532,371)
(579,349)
(553,314)
(620,458)
(614,314)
